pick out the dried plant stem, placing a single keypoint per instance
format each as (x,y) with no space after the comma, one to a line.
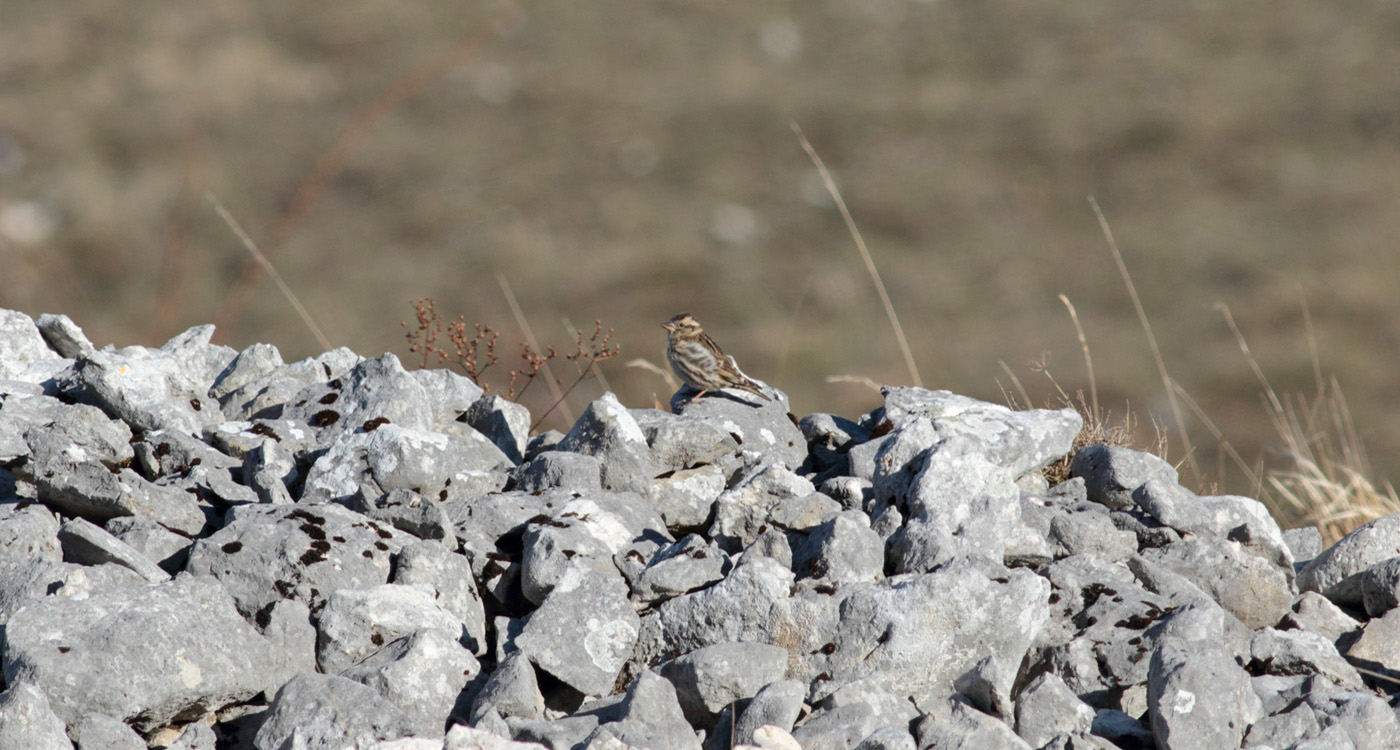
(530,339)
(262,260)
(864,254)
(1151,339)
(1088,360)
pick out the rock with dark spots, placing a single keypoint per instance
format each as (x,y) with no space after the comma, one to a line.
(686,498)
(758,427)
(743,510)
(28,531)
(559,469)
(449,394)
(77,486)
(505,423)
(406,511)
(512,691)
(1198,696)
(1290,652)
(83,432)
(87,544)
(583,632)
(268,396)
(1251,589)
(257,361)
(140,654)
(374,391)
(422,673)
(235,439)
(356,623)
(650,717)
(27,721)
(841,550)
(608,432)
(1314,613)
(392,458)
(688,564)
(149,389)
(711,678)
(901,458)
(450,577)
(328,712)
(581,536)
(1112,473)
(163,452)
(94,730)
(1046,707)
(268,553)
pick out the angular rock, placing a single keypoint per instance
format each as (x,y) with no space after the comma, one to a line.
(559,470)
(609,433)
(1112,473)
(685,499)
(407,511)
(86,544)
(687,565)
(1380,587)
(1198,696)
(759,428)
(157,543)
(268,396)
(268,553)
(1251,589)
(449,394)
(422,673)
(777,704)
(967,728)
(148,389)
(76,486)
(1290,652)
(708,679)
(583,632)
(23,351)
(391,457)
(1378,646)
(27,721)
(328,712)
(95,730)
(1046,707)
(63,335)
(356,623)
(678,443)
(1368,721)
(650,716)
(505,423)
(512,690)
(139,654)
(1337,572)
(1286,729)
(739,608)
(1314,613)
(373,392)
(1092,534)
(28,531)
(741,511)
(450,577)
(843,549)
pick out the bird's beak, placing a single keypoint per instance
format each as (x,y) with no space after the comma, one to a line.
(669,326)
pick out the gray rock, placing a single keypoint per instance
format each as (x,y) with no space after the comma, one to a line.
(505,423)
(570,731)
(23,351)
(512,690)
(888,738)
(901,458)
(1305,543)
(741,511)
(650,717)
(1369,722)
(739,608)
(163,452)
(1111,473)
(803,513)
(583,535)
(269,470)
(1198,696)
(583,632)
(268,396)
(95,731)
(1314,613)
(914,635)
(422,673)
(559,470)
(1121,728)
(168,549)
(27,721)
(374,391)
(687,565)
(287,626)
(1331,738)
(391,458)
(235,439)
(1290,652)
(63,335)
(777,704)
(83,432)
(967,727)
(608,432)
(1277,692)
(1174,506)
(1378,646)
(1380,587)
(257,361)
(708,679)
(984,686)
(148,389)
(1251,589)
(679,443)
(861,459)
(449,394)
(1046,707)
(28,531)
(686,498)
(1286,729)
(1091,534)
(86,544)
(267,553)
(407,511)
(759,428)
(1337,572)
(961,506)
(356,623)
(139,654)
(328,712)
(449,575)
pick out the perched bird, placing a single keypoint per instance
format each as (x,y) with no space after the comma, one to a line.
(699,362)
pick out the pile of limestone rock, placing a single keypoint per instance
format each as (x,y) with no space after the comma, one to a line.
(203,548)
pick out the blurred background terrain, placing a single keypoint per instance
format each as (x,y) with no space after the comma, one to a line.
(624,161)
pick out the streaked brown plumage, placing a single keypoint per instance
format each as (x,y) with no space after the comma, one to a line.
(699,362)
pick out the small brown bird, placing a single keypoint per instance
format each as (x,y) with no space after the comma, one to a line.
(699,362)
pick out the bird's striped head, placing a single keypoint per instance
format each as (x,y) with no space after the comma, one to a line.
(682,323)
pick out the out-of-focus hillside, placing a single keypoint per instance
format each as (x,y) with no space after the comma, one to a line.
(624,160)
